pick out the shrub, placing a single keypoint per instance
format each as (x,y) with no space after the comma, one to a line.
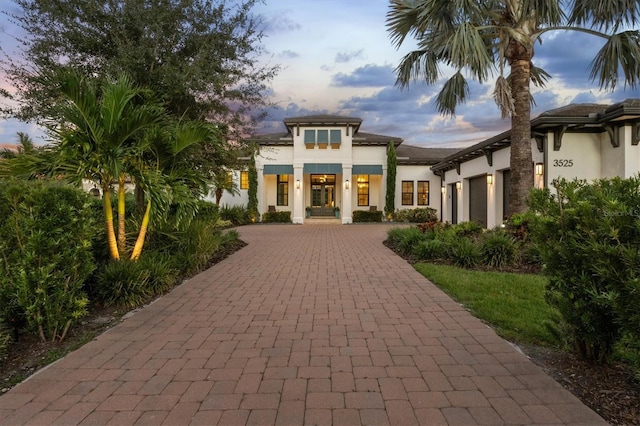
(394,235)
(123,283)
(276,217)
(410,239)
(465,253)
(467,229)
(431,249)
(498,249)
(587,235)
(5,338)
(419,215)
(367,216)
(162,271)
(237,215)
(45,256)
(208,211)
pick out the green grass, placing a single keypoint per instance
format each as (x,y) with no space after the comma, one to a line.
(513,304)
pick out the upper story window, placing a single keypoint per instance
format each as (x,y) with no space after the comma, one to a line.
(323,138)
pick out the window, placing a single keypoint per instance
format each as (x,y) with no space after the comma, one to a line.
(229,181)
(363,190)
(423,192)
(283,190)
(323,137)
(244,179)
(407,192)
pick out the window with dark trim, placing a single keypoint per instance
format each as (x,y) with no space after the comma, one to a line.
(283,190)
(423,192)
(407,192)
(244,179)
(363,190)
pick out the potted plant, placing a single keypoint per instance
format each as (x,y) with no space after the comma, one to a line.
(336,211)
(308,210)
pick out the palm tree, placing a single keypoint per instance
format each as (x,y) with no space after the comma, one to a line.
(223,181)
(482,36)
(102,138)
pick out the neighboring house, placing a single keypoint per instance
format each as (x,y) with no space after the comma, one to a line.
(324,162)
(584,141)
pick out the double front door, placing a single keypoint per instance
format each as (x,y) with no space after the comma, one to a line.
(323,195)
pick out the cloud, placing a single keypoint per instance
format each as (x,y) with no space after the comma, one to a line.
(288,54)
(370,75)
(279,22)
(344,57)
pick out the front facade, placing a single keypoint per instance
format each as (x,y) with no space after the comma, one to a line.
(324,166)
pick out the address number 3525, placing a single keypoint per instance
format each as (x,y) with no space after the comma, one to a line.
(562,163)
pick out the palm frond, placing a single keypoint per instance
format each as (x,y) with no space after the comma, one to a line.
(467,48)
(503,98)
(418,64)
(539,77)
(455,91)
(606,15)
(622,51)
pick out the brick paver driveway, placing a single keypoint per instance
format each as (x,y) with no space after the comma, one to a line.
(306,325)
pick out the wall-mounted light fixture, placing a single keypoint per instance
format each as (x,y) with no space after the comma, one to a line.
(489,179)
(539,169)
(443,189)
(346,184)
(298,184)
(458,185)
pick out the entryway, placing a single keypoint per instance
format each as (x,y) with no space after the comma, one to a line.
(323,195)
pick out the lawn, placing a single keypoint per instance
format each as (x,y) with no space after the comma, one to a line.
(513,304)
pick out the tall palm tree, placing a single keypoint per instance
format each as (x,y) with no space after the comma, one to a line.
(480,37)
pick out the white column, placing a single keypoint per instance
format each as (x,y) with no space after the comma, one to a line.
(347,194)
(298,194)
(261,189)
(382,200)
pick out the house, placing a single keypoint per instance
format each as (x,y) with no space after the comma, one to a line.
(326,161)
(584,141)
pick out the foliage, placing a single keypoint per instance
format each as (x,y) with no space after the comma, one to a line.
(480,39)
(467,229)
(431,249)
(409,239)
(201,55)
(513,304)
(498,249)
(237,215)
(588,235)
(5,338)
(124,283)
(367,216)
(465,253)
(45,256)
(419,215)
(390,200)
(252,206)
(276,217)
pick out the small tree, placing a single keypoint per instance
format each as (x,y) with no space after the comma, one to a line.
(390,205)
(252,206)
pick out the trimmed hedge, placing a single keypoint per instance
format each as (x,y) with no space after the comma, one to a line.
(367,216)
(276,217)
(419,215)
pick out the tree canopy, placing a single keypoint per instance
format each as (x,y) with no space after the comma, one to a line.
(199,56)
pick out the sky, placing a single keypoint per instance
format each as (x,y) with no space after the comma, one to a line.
(337,58)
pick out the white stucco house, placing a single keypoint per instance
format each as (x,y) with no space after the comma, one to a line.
(326,161)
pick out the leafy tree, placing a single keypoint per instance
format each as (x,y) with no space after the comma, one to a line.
(478,37)
(200,56)
(390,205)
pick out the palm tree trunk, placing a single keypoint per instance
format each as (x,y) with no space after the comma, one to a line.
(521,161)
(122,238)
(108,216)
(137,249)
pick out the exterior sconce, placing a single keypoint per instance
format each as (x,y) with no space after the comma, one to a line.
(458,185)
(346,184)
(490,179)
(443,189)
(539,169)
(298,184)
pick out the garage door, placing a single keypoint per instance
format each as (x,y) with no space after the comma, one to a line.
(478,200)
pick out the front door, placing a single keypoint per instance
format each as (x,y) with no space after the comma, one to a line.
(323,195)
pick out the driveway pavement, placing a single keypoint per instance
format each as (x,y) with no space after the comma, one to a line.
(312,324)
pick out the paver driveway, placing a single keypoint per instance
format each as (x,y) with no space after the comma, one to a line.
(305,325)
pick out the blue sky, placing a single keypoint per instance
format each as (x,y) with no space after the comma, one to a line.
(337,58)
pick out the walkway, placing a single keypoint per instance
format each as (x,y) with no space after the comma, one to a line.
(306,325)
